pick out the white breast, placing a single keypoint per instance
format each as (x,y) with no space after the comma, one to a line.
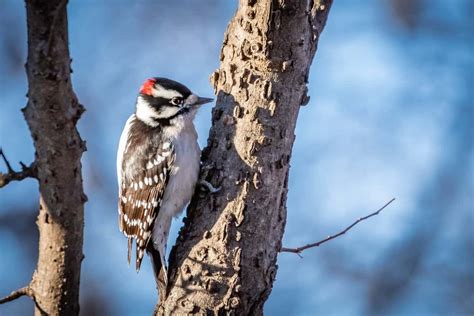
(184,174)
(183,178)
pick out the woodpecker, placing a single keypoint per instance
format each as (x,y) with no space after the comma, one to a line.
(158,164)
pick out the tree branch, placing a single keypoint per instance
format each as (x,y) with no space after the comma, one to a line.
(24,291)
(17,294)
(12,175)
(52,111)
(224,261)
(299,250)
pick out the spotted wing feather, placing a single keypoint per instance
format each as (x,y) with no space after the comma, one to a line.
(141,192)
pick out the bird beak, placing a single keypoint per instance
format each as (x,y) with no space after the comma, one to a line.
(203,101)
(195,100)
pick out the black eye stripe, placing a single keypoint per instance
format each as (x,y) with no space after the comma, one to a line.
(160,101)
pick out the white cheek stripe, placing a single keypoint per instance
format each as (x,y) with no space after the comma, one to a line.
(145,112)
(168,111)
(161,92)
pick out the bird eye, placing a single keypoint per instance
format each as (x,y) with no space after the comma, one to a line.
(176,101)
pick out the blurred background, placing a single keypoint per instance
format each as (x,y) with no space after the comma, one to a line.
(391,115)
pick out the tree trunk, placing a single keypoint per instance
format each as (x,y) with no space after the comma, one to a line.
(225,257)
(52,113)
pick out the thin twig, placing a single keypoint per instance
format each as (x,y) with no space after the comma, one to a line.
(17,294)
(299,250)
(24,291)
(9,167)
(12,175)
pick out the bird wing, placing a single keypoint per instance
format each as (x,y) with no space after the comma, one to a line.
(140,195)
(122,149)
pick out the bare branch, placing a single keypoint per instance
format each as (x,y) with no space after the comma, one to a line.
(12,175)
(17,294)
(299,250)
(24,291)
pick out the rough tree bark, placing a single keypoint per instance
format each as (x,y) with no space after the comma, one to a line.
(225,257)
(52,113)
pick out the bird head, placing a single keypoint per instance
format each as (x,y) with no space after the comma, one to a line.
(162,99)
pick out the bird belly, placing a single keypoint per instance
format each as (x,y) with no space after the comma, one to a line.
(180,188)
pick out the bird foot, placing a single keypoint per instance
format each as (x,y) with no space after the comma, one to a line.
(208,186)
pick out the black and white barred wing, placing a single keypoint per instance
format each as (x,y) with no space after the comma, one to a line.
(140,197)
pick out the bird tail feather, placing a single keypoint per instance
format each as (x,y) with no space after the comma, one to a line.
(129,255)
(159,270)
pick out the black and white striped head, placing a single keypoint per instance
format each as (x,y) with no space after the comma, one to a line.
(161,100)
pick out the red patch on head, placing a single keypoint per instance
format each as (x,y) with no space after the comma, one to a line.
(147,87)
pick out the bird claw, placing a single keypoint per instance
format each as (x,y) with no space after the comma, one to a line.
(209,186)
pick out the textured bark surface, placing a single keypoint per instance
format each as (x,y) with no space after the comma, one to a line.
(52,113)
(225,257)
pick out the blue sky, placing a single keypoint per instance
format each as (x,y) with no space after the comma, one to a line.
(390,115)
